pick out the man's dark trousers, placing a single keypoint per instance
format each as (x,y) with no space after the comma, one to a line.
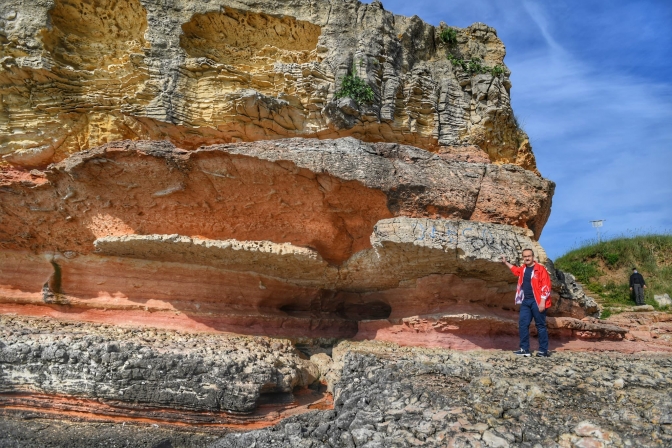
(639,293)
(528,311)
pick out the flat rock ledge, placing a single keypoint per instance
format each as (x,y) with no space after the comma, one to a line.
(466,331)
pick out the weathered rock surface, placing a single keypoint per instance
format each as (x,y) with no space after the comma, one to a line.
(25,430)
(394,397)
(492,330)
(653,328)
(391,396)
(571,297)
(430,269)
(148,371)
(75,74)
(321,194)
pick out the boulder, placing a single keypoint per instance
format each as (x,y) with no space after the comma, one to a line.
(643,308)
(662,300)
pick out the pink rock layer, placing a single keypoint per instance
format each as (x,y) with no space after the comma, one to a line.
(492,334)
(190,297)
(122,192)
(482,334)
(203,298)
(77,408)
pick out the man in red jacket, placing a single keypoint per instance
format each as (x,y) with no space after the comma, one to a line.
(534,297)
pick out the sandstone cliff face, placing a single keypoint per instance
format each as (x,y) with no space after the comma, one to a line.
(292,237)
(75,74)
(173,170)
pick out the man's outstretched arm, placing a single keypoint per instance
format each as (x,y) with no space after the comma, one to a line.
(509,265)
(514,269)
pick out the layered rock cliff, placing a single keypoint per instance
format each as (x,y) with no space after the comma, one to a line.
(174,170)
(293,238)
(75,74)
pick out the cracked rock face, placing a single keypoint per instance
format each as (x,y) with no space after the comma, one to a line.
(75,74)
(148,371)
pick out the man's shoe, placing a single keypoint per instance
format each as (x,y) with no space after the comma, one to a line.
(522,352)
(544,354)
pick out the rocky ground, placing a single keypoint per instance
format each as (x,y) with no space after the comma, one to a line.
(23,430)
(396,397)
(384,396)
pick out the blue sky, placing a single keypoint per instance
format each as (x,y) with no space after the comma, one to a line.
(592,86)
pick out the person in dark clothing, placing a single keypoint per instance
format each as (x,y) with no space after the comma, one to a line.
(638,285)
(533,294)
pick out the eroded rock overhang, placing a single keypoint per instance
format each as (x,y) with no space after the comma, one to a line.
(326,195)
(416,266)
(443,271)
(264,237)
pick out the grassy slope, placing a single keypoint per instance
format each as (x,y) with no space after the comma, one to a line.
(604,268)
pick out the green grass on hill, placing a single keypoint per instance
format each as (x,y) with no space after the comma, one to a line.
(604,268)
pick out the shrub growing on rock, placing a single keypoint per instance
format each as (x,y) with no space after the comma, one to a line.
(474,66)
(448,36)
(355,87)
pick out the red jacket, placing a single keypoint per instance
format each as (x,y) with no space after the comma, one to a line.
(541,284)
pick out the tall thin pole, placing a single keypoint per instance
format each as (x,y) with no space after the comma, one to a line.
(597,224)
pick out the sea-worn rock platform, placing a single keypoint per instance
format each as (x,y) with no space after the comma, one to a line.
(168,376)
(394,397)
(391,396)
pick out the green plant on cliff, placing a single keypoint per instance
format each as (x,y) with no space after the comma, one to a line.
(448,36)
(604,268)
(355,87)
(497,70)
(475,66)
